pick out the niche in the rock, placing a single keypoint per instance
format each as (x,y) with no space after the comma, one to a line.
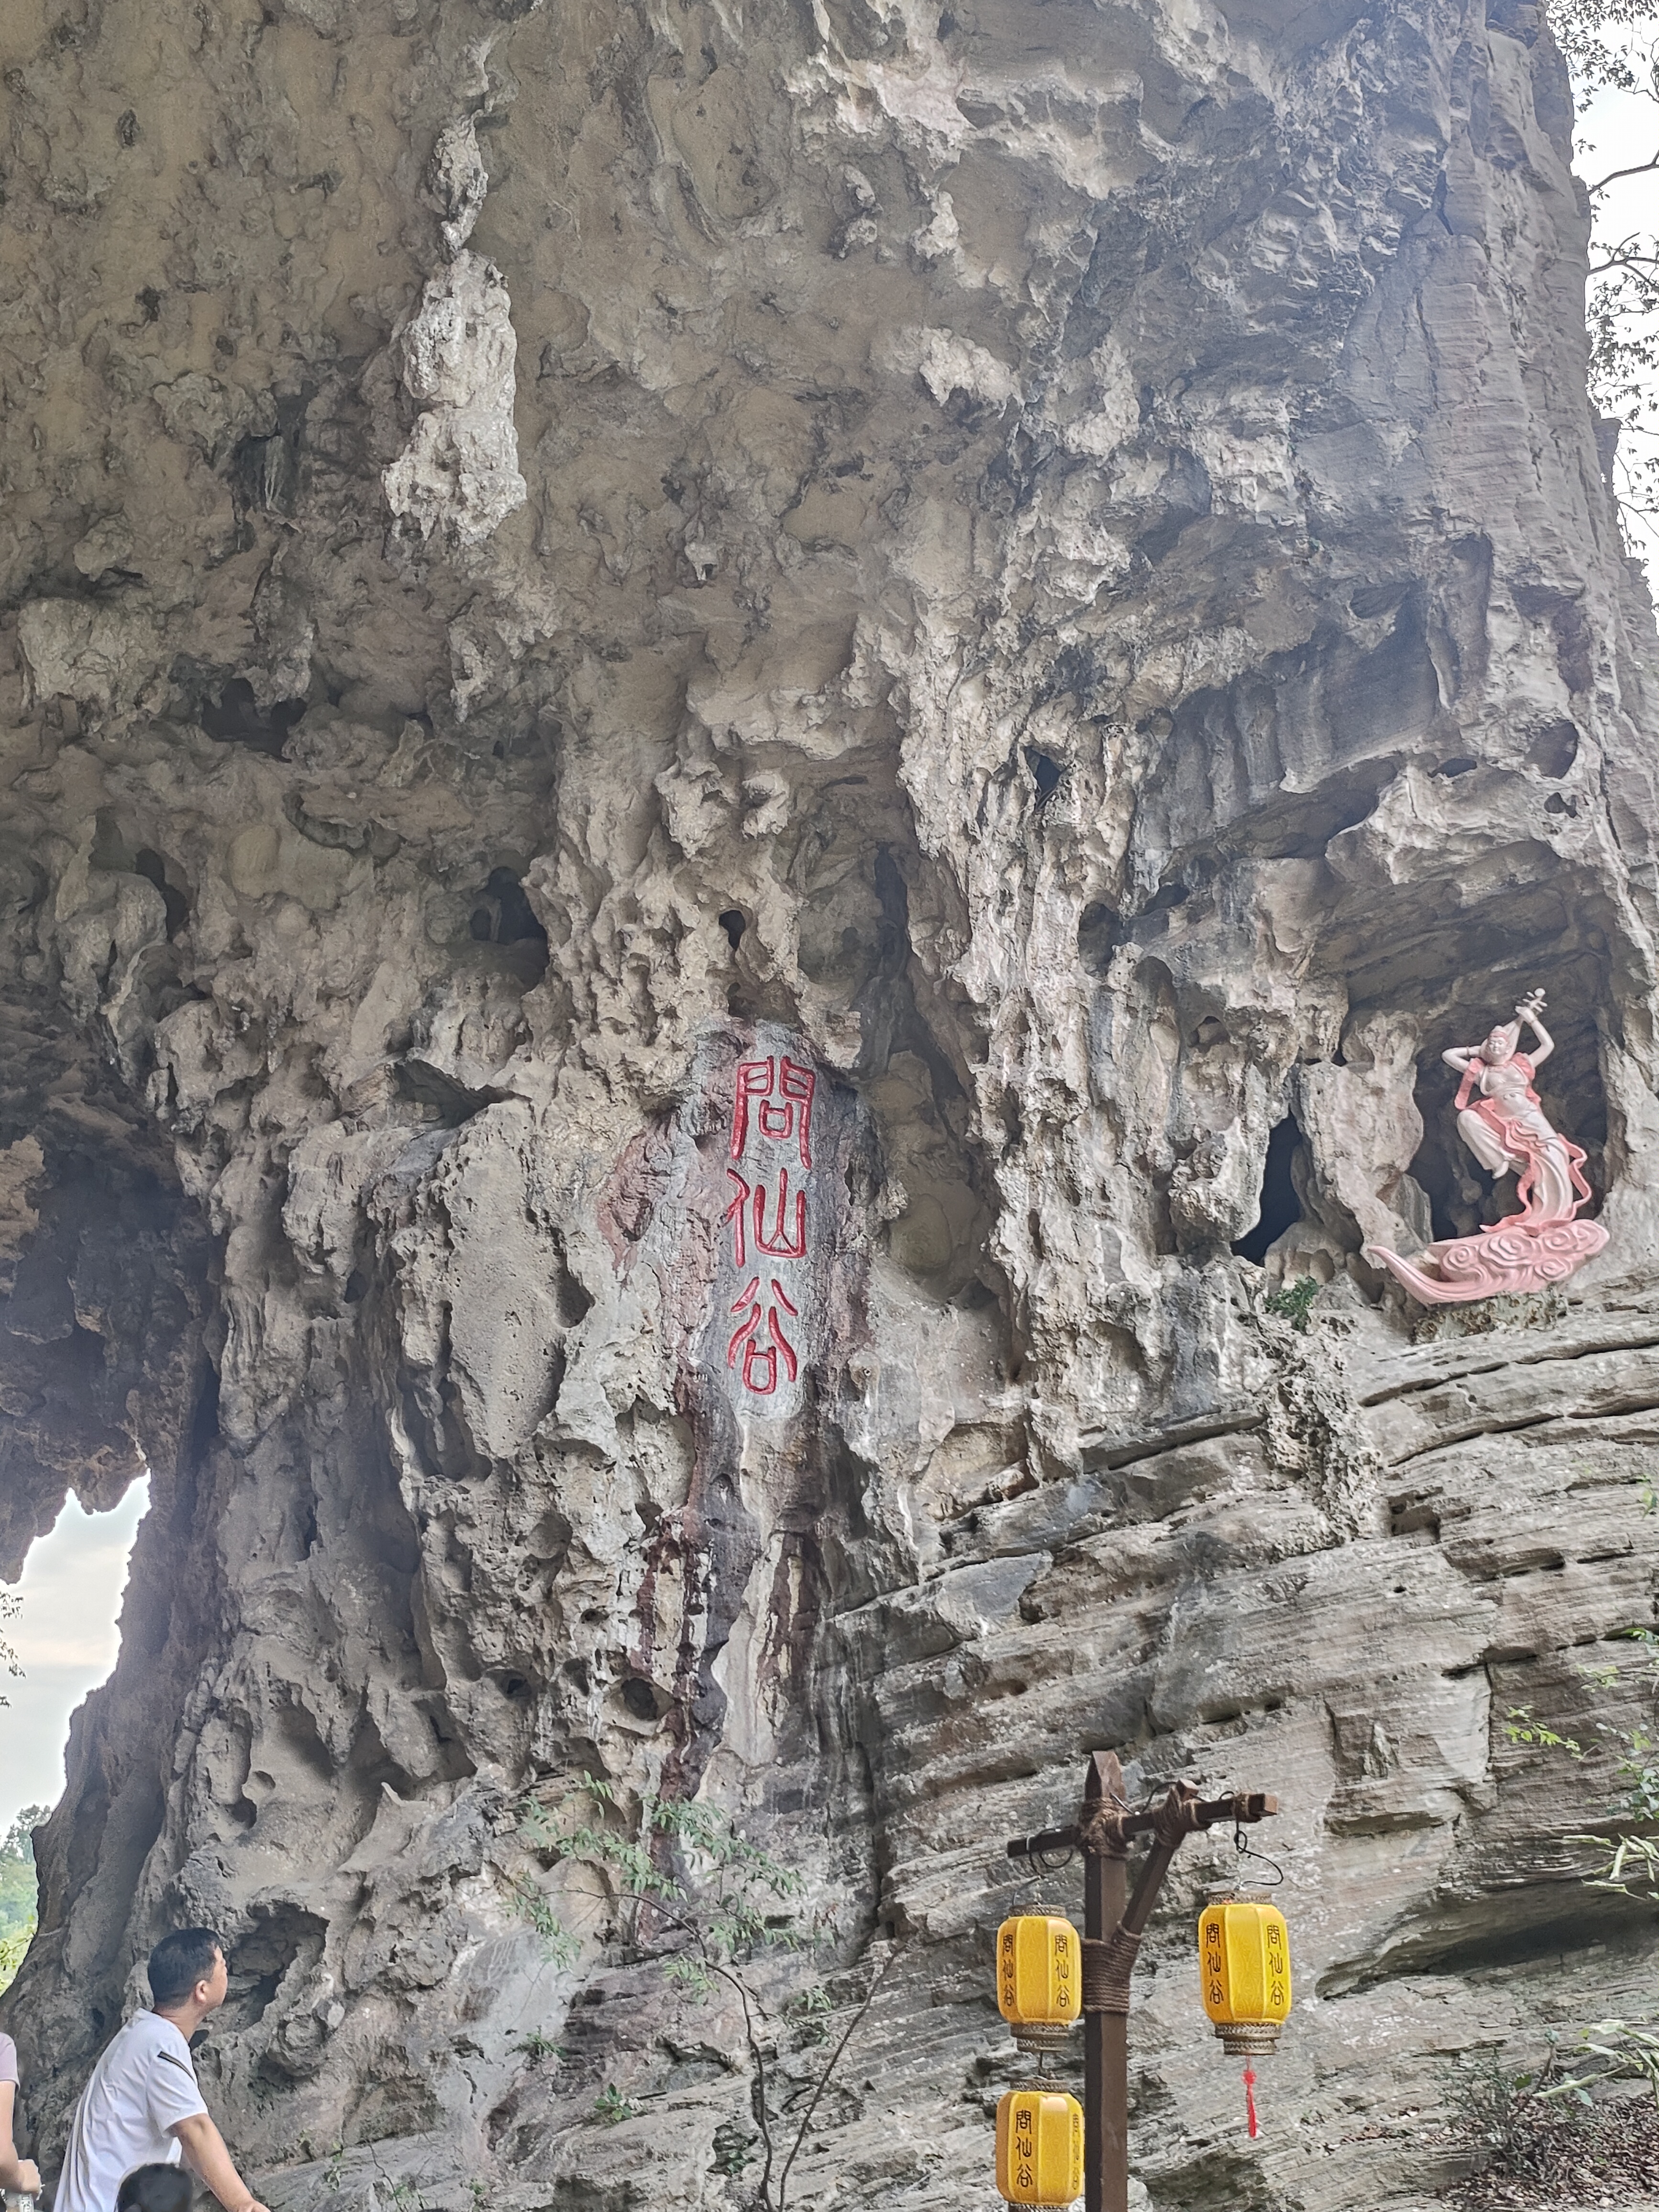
(1281,1209)
(1099,931)
(436,1097)
(1290,753)
(227,710)
(502,916)
(643,1700)
(1298,827)
(1045,773)
(1435,960)
(149,864)
(265,472)
(1553,751)
(281,1935)
(112,855)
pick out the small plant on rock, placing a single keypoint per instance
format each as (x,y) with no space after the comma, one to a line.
(1293,1301)
(1630,1863)
(734,2148)
(1498,2111)
(537,2049)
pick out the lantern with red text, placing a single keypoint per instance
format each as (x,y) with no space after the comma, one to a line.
(1039,2147)
(1244,1961)
(1039,1979)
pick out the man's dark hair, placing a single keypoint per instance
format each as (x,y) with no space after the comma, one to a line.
(155,2188)
(178,1962)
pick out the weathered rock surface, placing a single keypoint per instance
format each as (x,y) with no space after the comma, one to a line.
(1023,597)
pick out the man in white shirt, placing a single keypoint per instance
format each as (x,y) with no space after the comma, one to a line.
(141,2107)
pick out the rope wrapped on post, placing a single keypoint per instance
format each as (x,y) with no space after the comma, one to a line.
(1107,1966)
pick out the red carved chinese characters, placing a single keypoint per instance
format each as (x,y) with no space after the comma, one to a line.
(772,1149)
(760,1361)
(784,1089)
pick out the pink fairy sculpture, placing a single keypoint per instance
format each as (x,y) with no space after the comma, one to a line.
(1501,1121)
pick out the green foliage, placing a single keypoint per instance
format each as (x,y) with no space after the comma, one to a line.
(1626,1863)
(10,1605)
(734,2148)
(1630,1864)
(1294,1302)
(12,1948)
(1611,2050)
(813,2007)
(1495,2109)
(1520,1727)
(17,1890)
(739,1888)
(1498,2109)
(1633,1753)
(610,2105)
(539,2048)
(559,1944)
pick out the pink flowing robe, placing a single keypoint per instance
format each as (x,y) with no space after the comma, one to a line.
(1548,1167)
(1532,1250)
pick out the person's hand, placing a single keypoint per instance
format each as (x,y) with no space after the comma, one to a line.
(253,2205)
(28,2179)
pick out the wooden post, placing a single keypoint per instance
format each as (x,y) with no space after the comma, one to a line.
(1113,1924)
(1106,2039)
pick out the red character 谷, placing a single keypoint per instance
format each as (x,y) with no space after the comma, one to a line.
(760,1361)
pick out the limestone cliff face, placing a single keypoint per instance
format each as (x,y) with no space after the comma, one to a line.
(707,714)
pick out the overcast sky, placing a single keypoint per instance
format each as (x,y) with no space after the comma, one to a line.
(65,1639)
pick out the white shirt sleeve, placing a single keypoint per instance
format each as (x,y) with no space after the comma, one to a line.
(170,2089)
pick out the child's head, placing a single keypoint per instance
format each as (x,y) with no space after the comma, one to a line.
(155,2189)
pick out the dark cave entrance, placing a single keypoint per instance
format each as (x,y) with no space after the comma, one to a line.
(1281,1206)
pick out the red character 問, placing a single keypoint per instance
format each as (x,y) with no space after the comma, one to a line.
(782,1089)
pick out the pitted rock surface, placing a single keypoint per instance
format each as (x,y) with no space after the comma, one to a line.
(1045,569)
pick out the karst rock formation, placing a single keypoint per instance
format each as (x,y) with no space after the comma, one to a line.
(707,714)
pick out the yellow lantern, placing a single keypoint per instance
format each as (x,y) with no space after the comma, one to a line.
(1039,1979)
(1039,2147)
(1244,1959)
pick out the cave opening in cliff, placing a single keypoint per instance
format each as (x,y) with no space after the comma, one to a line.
(227,710)
(1281,1209)
(64,1633)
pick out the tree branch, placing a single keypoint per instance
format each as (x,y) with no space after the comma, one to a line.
(1637,169)
(878,1977)
(747,1999)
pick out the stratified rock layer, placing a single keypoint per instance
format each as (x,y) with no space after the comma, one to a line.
(709,714)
